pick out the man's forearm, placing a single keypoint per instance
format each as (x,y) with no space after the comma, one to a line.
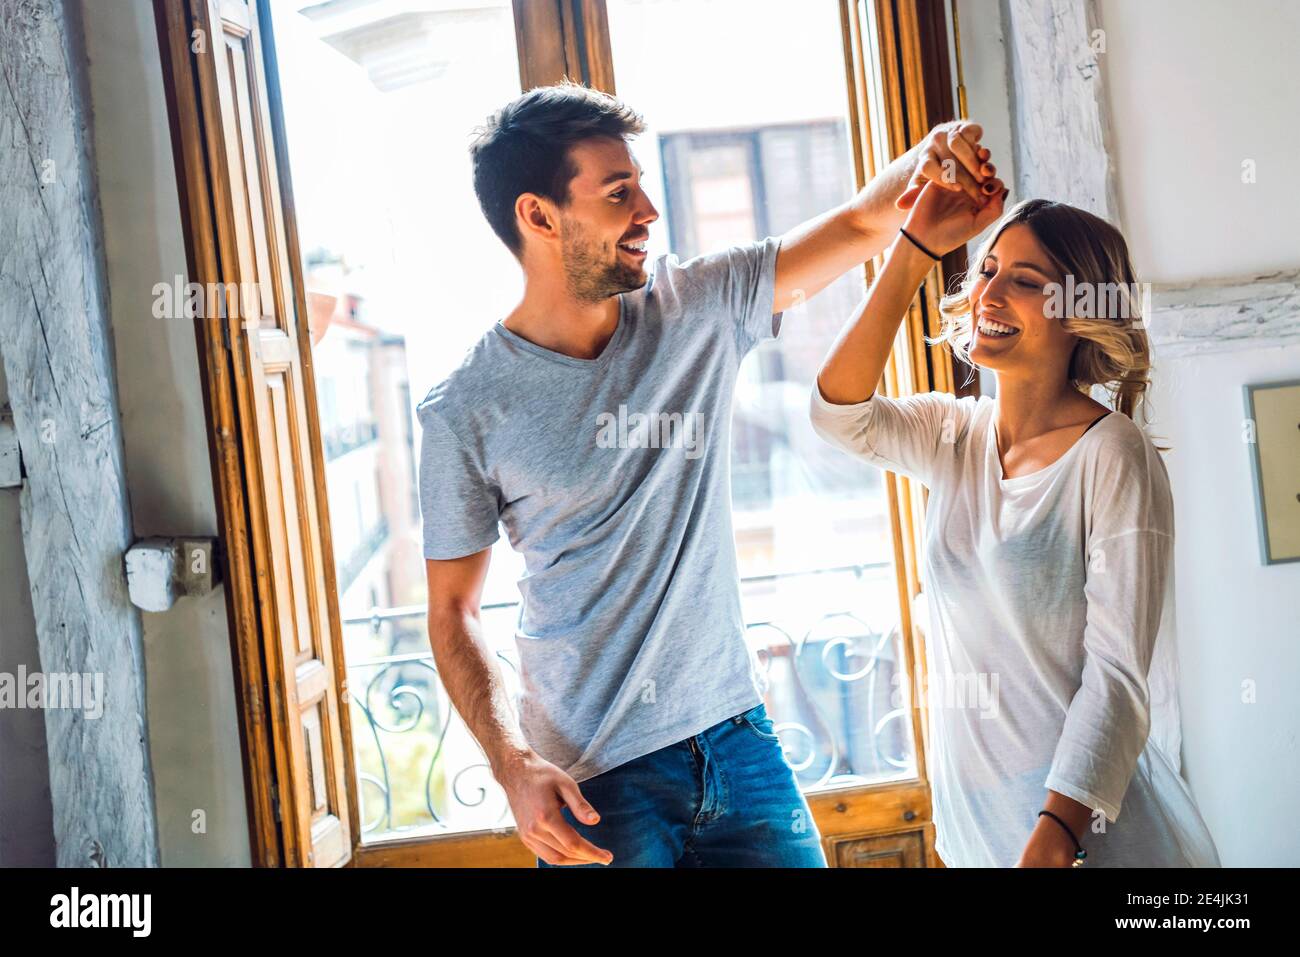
(475,685)
(819,251)
(875,207)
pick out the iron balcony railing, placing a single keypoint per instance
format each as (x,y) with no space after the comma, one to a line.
(835,700)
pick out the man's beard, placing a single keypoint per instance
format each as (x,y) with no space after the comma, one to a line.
(589,277)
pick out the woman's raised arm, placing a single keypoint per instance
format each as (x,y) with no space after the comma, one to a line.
(941,220)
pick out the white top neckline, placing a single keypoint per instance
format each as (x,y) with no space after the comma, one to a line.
(1018,481)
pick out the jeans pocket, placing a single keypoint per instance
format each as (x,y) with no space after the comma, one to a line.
(759,724)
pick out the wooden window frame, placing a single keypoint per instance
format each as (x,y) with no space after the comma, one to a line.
(899,85)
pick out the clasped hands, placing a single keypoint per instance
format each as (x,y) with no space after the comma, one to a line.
(954,193)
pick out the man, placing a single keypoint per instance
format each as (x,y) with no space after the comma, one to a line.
(593,424)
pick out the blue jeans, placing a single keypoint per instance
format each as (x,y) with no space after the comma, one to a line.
(723,798)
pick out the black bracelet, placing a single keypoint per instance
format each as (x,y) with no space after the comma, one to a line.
(1080,855)
(918,245)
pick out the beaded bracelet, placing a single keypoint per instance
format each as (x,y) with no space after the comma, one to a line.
(1080,855)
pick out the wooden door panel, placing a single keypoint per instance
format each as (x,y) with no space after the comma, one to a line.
(255,194)
(905,849)
(313,792)
(286,516)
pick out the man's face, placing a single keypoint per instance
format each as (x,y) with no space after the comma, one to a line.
(604,227)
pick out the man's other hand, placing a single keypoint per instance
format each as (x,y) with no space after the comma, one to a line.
(537,791)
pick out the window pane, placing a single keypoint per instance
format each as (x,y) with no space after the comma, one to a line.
(403,275)
(747,137)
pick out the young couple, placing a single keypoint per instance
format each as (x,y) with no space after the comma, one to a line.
(642,738)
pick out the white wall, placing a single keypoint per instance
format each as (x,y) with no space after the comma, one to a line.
(193,723)
(1195,87)
(1238,620)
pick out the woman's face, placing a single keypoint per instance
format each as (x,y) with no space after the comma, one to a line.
(1008,299)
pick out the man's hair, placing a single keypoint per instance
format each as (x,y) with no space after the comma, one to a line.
(524,148)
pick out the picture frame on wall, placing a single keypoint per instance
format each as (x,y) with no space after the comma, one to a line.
(1273,432)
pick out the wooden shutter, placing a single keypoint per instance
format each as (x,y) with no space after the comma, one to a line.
(268,465)
(896,58)
(563,38)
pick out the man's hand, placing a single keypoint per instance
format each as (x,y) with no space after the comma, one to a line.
(537,791)
(951,155)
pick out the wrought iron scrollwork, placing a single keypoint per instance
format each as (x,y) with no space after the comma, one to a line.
(403,696)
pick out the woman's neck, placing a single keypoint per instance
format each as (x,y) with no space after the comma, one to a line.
(1030,407)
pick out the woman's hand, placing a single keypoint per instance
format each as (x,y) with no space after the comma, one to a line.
(943,219)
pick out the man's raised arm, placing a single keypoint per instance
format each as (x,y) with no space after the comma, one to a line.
(817,252)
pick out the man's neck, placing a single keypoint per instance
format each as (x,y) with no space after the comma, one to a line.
(549,316)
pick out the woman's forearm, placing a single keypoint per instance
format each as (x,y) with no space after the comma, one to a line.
(1048,844)
(857,360)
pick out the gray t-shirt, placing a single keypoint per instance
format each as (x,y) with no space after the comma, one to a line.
(611,476)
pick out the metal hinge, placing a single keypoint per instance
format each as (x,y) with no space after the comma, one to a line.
(225,335)
(275,801)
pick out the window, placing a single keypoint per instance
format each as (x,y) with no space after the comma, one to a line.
(403,277)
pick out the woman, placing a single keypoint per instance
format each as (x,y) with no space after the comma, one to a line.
(1048,541)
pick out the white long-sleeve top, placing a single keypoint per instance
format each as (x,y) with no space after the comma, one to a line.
(1049,645)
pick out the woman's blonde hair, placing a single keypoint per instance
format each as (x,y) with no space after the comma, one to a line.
(1112,350)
